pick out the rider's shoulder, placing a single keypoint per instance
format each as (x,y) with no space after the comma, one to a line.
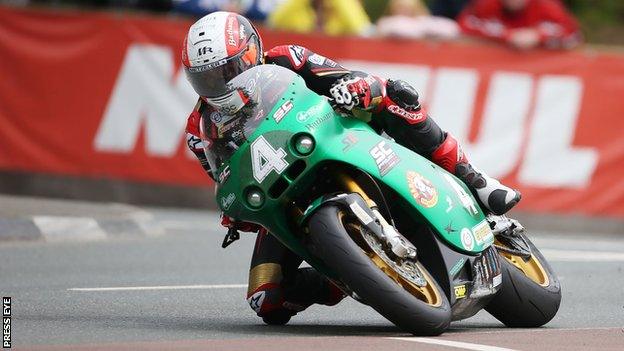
(201,108)
(287,49)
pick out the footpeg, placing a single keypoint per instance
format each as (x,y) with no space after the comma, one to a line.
(509,232)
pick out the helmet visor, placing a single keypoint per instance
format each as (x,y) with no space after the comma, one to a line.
(210,80)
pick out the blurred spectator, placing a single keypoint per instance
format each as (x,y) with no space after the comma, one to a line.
(333,17)
(411,19)
(255,10)
(523,24)
(447,8)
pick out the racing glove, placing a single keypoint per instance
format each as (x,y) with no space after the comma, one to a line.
(365,93)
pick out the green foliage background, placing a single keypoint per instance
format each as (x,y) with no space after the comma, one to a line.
(602,21)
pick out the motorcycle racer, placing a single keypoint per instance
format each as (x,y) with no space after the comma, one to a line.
(220,46)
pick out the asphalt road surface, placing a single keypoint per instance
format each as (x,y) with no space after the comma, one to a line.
(188,293)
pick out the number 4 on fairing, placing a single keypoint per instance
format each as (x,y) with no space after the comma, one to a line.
(265,158)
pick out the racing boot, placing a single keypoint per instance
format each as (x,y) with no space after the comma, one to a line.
(409,124)
(493,195)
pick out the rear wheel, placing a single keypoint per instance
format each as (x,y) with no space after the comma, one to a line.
(530,292)
(403,291)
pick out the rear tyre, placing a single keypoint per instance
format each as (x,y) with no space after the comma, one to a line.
(418,310)
(530,292)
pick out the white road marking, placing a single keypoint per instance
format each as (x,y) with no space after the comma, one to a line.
(60,228)
(164,287)
(582,255)
(457,344)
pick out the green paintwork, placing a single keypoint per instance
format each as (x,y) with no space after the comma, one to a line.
(448,217)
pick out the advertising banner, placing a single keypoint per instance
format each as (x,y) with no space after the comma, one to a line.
(103,95)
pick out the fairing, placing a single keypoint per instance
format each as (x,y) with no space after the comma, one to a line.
(432,193)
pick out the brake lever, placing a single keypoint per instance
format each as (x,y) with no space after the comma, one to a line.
(231,236)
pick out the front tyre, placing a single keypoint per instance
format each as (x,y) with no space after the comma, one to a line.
(530,292)
(421,310)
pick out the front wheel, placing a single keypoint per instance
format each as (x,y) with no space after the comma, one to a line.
(530,292)
(405,294)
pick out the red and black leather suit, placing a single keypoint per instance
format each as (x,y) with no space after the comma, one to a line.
(277,287)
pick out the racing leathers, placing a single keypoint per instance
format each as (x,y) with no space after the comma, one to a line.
(277,289)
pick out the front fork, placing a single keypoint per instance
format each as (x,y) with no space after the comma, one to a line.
(397,243)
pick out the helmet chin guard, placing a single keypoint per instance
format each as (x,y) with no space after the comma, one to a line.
(229,103)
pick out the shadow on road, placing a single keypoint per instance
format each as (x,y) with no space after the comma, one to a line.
(225,326)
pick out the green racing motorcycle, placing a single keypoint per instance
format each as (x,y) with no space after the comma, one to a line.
(386,225)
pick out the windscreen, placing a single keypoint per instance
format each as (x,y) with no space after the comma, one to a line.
(253,94)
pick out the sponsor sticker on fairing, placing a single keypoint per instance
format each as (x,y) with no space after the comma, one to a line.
(319,121)
(224,175)
(460,291)
(385,158)
(227,201)
(312,111)
(449,202)
(466,200)
(483,233)
(251,84)
(349,141)
(457,266)
(282,111)
(497,280)
(467,239)
(449,228)
(422,190)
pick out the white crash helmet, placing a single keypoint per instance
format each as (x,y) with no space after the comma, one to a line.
(217,48)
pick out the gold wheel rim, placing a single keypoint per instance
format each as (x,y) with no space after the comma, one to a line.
(428,294)
(532,267)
